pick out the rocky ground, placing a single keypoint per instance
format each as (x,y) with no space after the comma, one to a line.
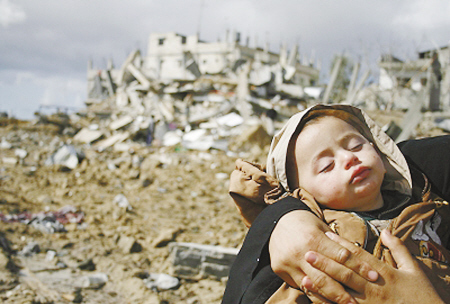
(173,195)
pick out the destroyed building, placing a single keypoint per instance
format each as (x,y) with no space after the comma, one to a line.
(428,74)
(185,81)
(175,57)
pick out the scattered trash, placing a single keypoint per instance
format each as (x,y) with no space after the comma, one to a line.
(9,160)
(161,282)
(87,265)
(30,249)
(51,254)
(5,145)
(94,281)
(129,244)
(21,153)
(48,222)
(122,202)
(222,176)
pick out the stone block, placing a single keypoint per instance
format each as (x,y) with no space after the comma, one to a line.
(195,260)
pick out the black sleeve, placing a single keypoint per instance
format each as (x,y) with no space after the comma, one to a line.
(251,279)
(432,157)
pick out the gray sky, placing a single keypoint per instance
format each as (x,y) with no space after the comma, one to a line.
(45,44)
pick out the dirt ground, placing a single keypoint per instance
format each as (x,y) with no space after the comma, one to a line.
(175,195)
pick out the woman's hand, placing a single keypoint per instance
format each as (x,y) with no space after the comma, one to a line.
(287,254)
(407,284)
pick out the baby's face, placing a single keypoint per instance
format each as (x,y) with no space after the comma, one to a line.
(339,166)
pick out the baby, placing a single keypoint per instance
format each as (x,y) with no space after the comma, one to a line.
(352,176)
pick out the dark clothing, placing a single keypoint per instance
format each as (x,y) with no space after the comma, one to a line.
(251,278)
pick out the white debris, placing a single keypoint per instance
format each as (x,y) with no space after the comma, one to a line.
(230,120)
(4,144)
(122,201)
(161,281)
(94,281)
(21,153)
(87,136)
(120,123)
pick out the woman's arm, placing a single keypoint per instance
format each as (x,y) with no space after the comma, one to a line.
(407,284)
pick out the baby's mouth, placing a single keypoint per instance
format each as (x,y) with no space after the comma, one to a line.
(359,175)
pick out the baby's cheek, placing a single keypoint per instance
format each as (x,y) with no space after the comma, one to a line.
(330,195)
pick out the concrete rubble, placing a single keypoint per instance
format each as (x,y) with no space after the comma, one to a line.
(126,201)
(183,85)
(198,95)
(197,261)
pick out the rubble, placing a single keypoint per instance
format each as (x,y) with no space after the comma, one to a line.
(163,97)
(194,260)
(129,244)
(87,136)
(94,281)
(48,222)
(67,156)
(161,282)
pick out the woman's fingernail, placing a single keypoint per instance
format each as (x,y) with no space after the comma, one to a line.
(310,257)
(307,283)
(330,234)
(373,275)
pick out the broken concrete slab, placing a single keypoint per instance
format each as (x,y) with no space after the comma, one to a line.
(293,90)
(444,125)
(172,138)
(165,237)
(161,282)
(230,120)
(412,118)
(112,140)
(129,244)
(252,136)
(5,144)
(331,82)
(120,123)
(66,156)
(195,260)
(20,153)
(87,136)
(139,76)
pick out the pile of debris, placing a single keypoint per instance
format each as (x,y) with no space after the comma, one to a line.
(195,94)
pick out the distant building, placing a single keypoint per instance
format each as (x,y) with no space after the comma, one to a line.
(413,73)
(397,73)
(430,72)
(172,56)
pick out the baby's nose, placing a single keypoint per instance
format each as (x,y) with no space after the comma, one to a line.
(350,159)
